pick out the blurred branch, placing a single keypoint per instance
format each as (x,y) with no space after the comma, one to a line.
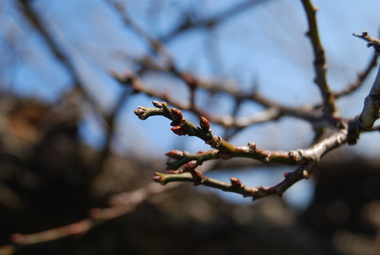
(35,19)
(121,205)
(362,76)
(211,22)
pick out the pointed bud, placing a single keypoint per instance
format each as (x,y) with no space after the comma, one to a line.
(157,104)
(205,124)
(140,112)
(235,182)
(176,115)
(178,130)
(174,154)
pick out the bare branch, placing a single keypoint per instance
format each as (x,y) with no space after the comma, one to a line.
(236,186)
(308,158)
(362,76)
(320,66)
(371,108)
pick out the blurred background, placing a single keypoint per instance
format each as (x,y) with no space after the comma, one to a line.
(70,142)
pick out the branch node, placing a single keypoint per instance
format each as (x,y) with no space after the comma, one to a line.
(236,183)
(215,142)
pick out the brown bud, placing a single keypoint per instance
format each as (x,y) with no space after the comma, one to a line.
(176,115)
(235,182)
(157,104)
(178,130)
(205,124)
(198,177)
(140,112)
(174,154)
(190,166)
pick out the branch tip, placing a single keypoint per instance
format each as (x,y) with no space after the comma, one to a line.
(174,154)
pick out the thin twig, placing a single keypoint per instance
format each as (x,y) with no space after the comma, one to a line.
(320,66)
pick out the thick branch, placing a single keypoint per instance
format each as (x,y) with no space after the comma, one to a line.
(371,108)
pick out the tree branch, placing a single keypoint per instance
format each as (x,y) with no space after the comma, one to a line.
(307,158)
(371,108)
(320,66)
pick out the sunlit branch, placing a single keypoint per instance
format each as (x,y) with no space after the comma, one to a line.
(371,108)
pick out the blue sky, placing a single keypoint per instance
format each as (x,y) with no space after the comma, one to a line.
(265,46)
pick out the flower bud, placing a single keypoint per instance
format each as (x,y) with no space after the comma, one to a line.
(235,182)
(178,130)
(176,115)
(205,124)
(174,154)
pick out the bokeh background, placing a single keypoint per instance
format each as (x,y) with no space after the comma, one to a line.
(70,142)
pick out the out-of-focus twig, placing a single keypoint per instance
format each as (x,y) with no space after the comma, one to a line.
(362,76)
(121,204)
(211,22)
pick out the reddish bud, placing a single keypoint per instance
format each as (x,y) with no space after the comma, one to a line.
(176,115)
(140,112)
(190,166)
(205,124)
(157,104)
(174,154)
(178,130)
(235,182)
